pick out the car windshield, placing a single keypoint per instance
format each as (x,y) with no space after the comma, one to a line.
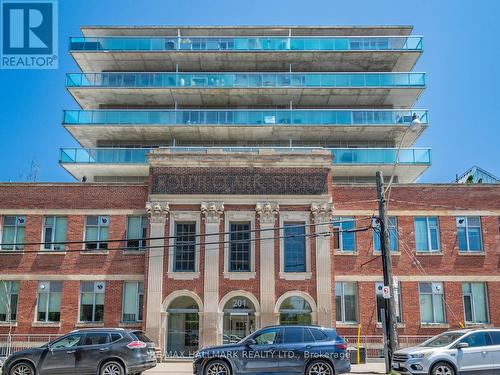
(441,340)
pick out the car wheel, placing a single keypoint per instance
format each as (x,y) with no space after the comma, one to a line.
(319,367)
(443,368)
(112,368)
(23,368)
(217,367)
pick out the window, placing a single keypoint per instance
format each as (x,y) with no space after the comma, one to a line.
(475,302)
(469,233)
(54,230)
(267,337)
(318,334)
(294,241)
(13,232)
(96,338)
(495,337)
(342,239)
(137,229)
(381,301)
(185,247)
(96,230)
(9,295)
(92,301)
(133,300)
(69,341)
(49,301)
(295,310)
(477,339)
(427,234)
(431,299)
(393,235)
(183,326)
(295,335)
(346,302)
(239,247)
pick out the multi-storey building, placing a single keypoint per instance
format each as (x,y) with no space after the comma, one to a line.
(227,183)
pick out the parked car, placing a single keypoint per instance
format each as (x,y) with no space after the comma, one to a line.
(452,353)
(106,351)
(308,350)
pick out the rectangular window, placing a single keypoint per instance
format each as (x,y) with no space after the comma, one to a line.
(343,239)
(49,301)
(294,241)
(96,231)
(381,301)
(13,232)
(92,301)
(431,299)
(469,233)
(346,302)
(185,247)
(393,235)
(475,302)
(427,234)
(9,295)
(137,229)
(133,299)
(54,230)
(239,247)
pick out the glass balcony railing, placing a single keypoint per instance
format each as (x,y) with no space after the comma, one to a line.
(347,156)
(378,43)
(244,80)
(296,117)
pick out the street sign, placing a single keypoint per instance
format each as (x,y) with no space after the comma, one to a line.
(386,292)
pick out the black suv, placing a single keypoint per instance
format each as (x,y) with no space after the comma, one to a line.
(106,351)
(308,350)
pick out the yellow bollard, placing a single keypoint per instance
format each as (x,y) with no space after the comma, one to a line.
(359,342)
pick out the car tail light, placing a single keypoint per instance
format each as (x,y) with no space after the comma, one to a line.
(136,345)
(341,346)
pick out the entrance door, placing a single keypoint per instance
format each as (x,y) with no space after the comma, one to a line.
(240,326)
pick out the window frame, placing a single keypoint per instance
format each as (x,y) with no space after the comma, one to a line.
(473,310)
(138,308)
(247,242)
(52,246)
(466,226)
(94,295)
(101,245)
(187,243)
(342,299)
(183,216)
(302,217)
(393,234)
(433,294)
(304,242)
(47,303)
(429,236)
(142,242)
(15,245)
(338,223)
(9,294)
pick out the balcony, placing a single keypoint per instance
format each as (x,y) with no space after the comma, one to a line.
(346,161)
(89,127)
(228,89)
(340,53)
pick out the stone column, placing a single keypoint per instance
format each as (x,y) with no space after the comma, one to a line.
(322,215)
(211,213)
(266,214)
(158,213)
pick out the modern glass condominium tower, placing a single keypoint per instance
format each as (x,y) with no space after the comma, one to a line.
(349,90)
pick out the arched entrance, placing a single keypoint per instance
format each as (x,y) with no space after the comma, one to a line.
(183,326)
(295,309)
(240,310)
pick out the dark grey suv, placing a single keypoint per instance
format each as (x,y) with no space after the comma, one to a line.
(308,350)
(106,351)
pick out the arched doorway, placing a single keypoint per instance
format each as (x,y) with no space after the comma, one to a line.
(238,319)
(183,327)
(295,310)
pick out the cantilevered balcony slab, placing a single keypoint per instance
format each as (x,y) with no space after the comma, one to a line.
(97,90)
(268,53)
(242,126)
(358,162)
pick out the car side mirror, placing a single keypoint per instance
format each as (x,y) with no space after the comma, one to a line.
(250,342)
(462,345)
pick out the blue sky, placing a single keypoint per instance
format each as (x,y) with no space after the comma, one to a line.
(461,58)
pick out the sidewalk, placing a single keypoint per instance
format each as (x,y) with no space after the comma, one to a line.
(184,368)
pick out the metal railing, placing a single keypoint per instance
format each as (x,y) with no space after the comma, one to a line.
(292,117)
(245,80)
(374,345)
(16,342)
(346,156)
(371,43)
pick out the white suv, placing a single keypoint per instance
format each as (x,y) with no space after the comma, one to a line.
(451,353)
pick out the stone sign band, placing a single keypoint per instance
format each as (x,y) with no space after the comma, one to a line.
(240,181)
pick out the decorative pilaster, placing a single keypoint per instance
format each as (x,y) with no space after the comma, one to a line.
(267,212)
(158,213)
(212,213)
(322,215)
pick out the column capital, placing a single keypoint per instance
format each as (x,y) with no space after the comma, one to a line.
(157,211)
(267,211)
(212,211)
(322,212)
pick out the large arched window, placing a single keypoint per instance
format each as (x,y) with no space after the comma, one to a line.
(239,319)
(295,310)
(183,327)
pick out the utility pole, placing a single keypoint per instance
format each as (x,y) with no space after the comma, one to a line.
(390,317)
